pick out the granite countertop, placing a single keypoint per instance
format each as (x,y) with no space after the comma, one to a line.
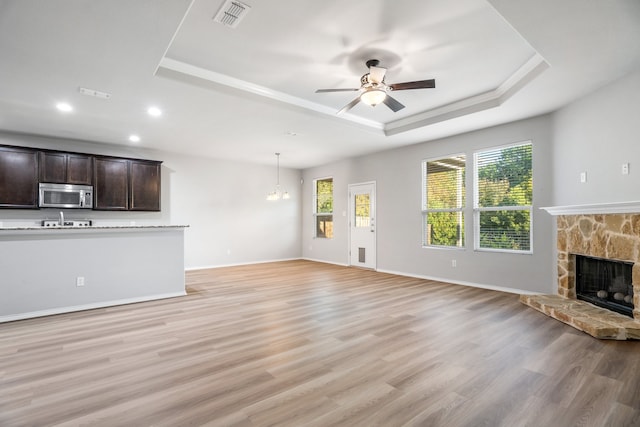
(93,227)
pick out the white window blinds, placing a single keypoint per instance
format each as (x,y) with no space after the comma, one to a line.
(504,198)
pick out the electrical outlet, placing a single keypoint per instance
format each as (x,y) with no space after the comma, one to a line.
(625,169)
(228,251)
(454,263)
(80,281)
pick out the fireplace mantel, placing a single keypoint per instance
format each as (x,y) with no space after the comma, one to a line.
(595,209)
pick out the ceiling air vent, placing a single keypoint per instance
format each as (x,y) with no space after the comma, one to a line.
(231,13)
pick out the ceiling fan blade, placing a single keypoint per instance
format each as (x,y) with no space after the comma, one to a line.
(336,90)
(376,74)
(349,106)
(393,104)
(420,84)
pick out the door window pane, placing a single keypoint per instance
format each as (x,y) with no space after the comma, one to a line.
(362,211)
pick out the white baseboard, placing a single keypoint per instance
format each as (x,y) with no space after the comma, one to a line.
(325,262)
(207,267)
(101,304)
(463,283)
(398,273)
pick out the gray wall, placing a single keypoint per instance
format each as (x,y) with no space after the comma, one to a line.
(40,268)
(224,203)
(231,223)
(399,222)
(597,134)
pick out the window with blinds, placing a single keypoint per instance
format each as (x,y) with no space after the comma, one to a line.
(443,201)
(503,184)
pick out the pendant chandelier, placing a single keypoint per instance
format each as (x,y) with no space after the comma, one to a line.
(278,193)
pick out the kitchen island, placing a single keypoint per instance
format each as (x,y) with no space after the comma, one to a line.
(46,271)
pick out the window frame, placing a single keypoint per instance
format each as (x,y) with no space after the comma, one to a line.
(461,209)
(316,214)
(477,210)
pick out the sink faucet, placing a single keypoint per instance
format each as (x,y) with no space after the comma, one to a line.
(61,219)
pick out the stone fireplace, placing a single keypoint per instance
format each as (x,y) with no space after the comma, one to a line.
(608,237)
(603,236)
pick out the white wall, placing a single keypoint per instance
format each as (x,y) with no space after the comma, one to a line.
(224,203)
(596,135)
(399,222)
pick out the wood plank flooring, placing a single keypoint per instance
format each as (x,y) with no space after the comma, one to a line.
(300,343)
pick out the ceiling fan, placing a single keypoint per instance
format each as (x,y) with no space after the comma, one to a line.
(374,90)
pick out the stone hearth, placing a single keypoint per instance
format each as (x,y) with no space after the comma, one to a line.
(613,236)
(597,322)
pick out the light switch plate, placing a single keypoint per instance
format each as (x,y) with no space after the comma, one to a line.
(583,177)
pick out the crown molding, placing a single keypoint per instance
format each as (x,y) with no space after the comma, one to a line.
(178,70)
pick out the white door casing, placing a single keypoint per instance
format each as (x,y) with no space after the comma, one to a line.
(362,225)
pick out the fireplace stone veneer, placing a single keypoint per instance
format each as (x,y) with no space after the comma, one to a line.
(607,236)
(612,236)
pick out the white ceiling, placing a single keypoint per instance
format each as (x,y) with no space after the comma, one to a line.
(244,93)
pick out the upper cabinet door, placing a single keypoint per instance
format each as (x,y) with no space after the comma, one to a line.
(18,178)
(144,190)
(53,167)
(110,184)
(65,168)
(79,169)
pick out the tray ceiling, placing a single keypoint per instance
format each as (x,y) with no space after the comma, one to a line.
(244,93)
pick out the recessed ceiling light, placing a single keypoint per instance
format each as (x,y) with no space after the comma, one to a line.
(134,138)
(64,107)
(154,111)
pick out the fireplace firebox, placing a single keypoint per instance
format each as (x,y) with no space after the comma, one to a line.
(605,283)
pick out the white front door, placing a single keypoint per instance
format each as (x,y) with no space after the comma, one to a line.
(362,226)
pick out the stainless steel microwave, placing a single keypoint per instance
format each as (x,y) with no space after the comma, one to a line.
(65,196)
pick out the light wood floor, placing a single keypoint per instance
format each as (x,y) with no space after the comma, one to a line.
(307,344)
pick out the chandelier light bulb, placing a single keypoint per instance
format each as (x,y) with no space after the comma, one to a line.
(278,193)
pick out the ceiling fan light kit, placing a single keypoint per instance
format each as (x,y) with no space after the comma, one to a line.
(373,96)
(374,90)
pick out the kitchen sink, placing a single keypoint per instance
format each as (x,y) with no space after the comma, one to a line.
(69,223)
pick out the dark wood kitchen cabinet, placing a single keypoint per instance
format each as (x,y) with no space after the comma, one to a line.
(110,183)
(18,178)
(119,183)
(144,185)
(65,168)
(126,184)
